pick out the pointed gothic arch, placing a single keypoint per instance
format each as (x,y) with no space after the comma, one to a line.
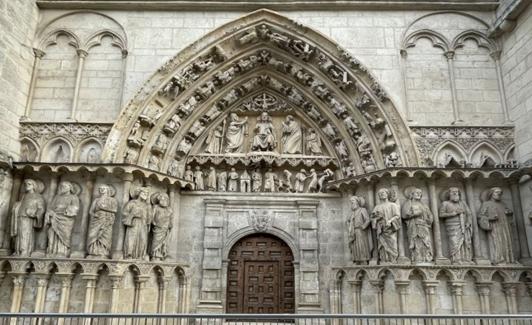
(261,52)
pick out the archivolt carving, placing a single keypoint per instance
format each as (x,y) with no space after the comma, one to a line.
(196,90)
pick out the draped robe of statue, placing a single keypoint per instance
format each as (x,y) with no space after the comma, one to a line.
(386,221)
(27,216)
(136,219)
(493,218)
(235,134)
(61,216)
(313,144)
(291,137)
(214,140)
(457,216)
(162,223)
(99,237)
(419,220)
(360,242)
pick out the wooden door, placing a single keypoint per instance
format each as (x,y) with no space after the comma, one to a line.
(260,276)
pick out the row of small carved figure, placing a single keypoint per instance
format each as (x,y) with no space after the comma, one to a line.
(387,218)
(229,181)
(57,218)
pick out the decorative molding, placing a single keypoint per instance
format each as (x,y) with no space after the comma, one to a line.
(75,133)
(477,5)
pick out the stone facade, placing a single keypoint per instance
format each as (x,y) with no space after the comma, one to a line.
(386,149)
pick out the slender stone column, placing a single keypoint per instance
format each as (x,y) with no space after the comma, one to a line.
(40,295)
(433,198)
(29,101)
(16,294)
(457,292)
(66,285)
(402,288)
(519,226)
(402,259)
(79,251)
(356,287)
(82,54)
(403,65)
(6,235)
(496,56)
(510,293)
(477,252)
(379,286)
(119,244)
(90,288)
(484,289)
(41,237)
(140,284)
(430,294)
(116,281)
(449,55)
(370,205)
(161,295)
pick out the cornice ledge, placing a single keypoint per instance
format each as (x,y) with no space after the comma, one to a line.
(293,5)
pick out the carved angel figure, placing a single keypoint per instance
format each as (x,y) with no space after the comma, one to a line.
(137,218)
(457,216)
(419,220)
(214,140)
(386,220)
(161,226)
(245,182)
(102,217)
(60,217)
(269,181)
(313,145)
(27,216)
(494,219)
(360,242)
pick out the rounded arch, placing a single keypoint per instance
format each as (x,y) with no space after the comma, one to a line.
(62,20)
(332,75)
(248,231)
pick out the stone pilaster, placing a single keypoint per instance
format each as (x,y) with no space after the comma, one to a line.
(16,294)
(510,293)
(457,293)
(484,289)
(431,288)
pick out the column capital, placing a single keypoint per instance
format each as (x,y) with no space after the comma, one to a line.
(457,287)
(510,288)
(496,55)
(449,54)
(378,284)
(38,53)
(484,287)
(403,52)
(402,286)
(82,53)
(18,278)
(430,286)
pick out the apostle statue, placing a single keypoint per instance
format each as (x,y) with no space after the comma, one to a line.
(214,140)
(199,184)
(27,215)
(235,134)
(313,143)
(457,216)
(232,183)
(292,135)
(222,181)
(102,217)
(211,179)
(360,242)
(269,181)
(494,219)
(60,217)
(264,139)
(300,179)
(256,181)
(161,226)
(245,182)
(418,218)
(386,220)
(137,218)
